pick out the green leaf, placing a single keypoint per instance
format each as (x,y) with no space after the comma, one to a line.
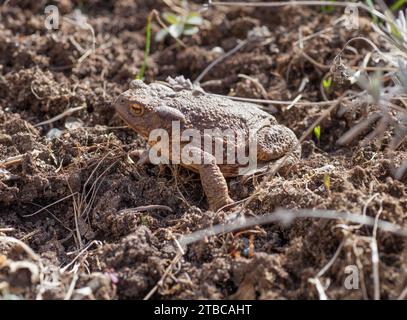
(189,30)
(397,5)
(194,18)
(160,35)
(171,18)
(328,9)
(317,132)
(176,30)
(326,83)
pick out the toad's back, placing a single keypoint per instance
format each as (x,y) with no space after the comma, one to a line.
(199,110)
(205,111)
(202,110)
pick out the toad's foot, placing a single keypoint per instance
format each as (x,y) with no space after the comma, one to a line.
(215,186)
(212,179)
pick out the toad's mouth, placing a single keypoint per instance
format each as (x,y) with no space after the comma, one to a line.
(122,115)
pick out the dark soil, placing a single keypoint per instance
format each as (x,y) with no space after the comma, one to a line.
(93,239)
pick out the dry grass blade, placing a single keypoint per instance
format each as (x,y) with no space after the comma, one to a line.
(320,288)
(71,289)
(50,205)
(94,189)
(375,256)
(239,46)
(81,253)
(151,207)
(285,217)
(166,273)
(83,24)
(64,114)
(289,103)
(316,281)
(301,3)
(16,159)
(357,129)
(11,161)
(331,262)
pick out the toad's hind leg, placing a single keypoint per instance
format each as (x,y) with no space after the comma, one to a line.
(275,142)
(212,179)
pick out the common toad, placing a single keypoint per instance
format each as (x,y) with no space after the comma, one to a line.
(145,107)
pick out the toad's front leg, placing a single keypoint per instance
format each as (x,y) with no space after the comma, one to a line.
(212,179)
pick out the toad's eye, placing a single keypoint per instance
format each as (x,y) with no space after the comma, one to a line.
(137,109)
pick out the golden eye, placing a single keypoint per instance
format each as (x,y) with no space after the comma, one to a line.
(137,109)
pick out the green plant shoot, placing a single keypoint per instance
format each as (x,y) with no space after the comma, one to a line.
(317,132)
(327,83)
(327,182)
(180,25)
(140,74)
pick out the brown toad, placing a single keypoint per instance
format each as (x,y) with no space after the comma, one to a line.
(146,108)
